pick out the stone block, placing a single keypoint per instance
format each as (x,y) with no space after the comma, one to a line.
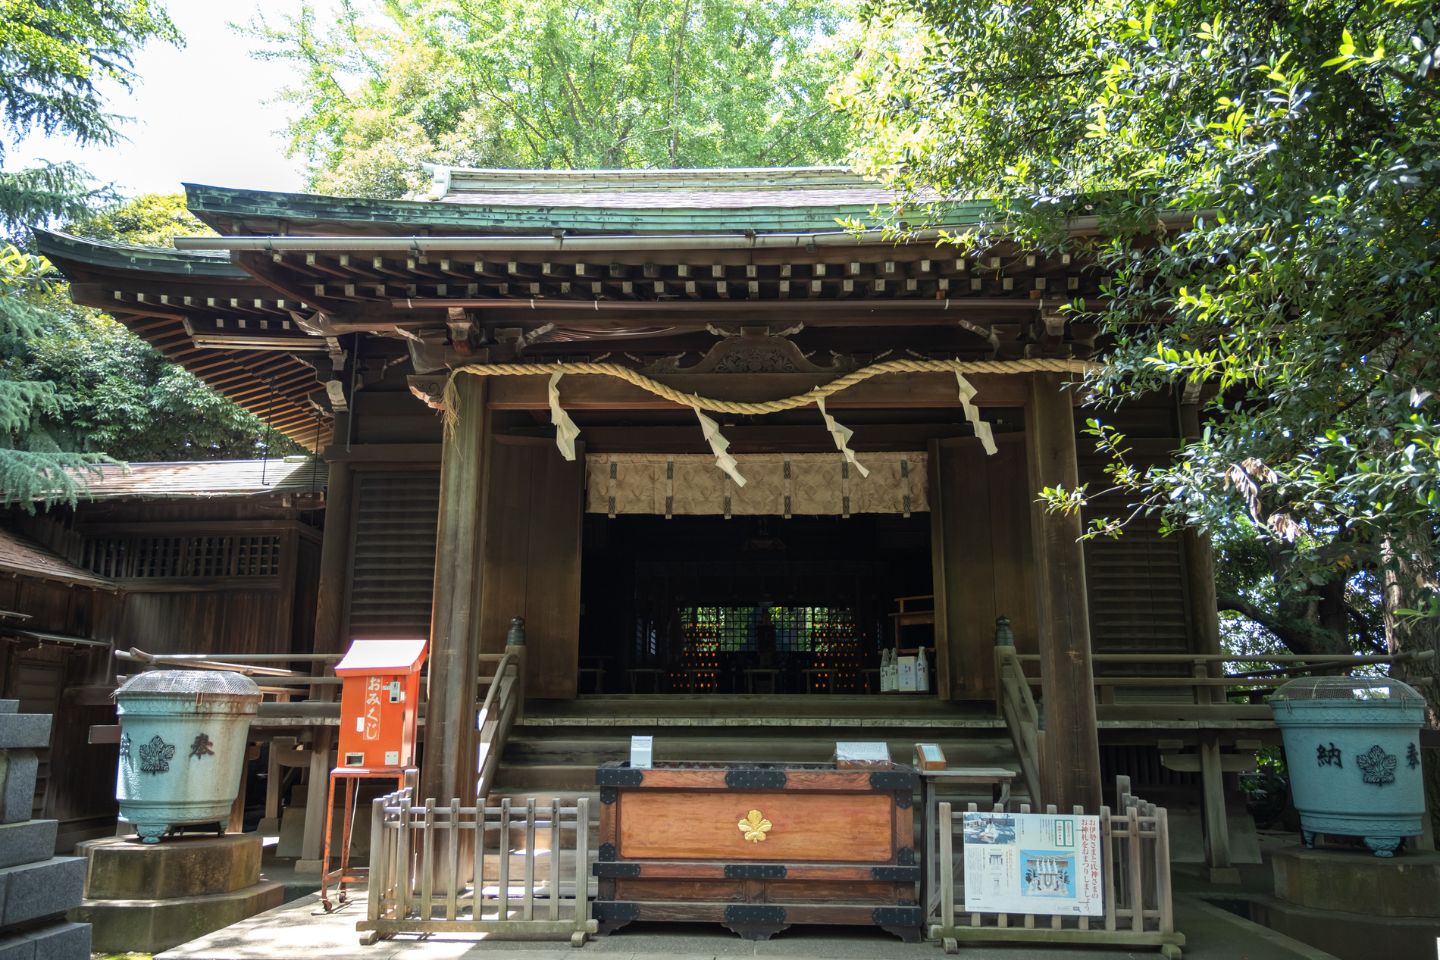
(1348,936)
(27,841)
(126,869)
(18,769)
(24,731)
(9,706)
(62,941)
(33,891)
(150,926)
(1353,882)
(17,947)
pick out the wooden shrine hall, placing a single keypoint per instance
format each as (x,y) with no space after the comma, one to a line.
(710,444)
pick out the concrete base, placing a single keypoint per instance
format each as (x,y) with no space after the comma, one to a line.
(149,926)
(1349,936)
(122,869)
(149,897)
(1349,903)
(1358,884)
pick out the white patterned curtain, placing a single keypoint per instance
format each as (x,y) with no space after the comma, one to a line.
(777,484)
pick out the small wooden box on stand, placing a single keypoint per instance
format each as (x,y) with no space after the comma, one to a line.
(379,700)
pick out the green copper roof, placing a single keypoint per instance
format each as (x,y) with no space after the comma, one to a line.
(463,201)
(121,256)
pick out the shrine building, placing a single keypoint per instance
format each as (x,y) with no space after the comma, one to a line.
(728,457)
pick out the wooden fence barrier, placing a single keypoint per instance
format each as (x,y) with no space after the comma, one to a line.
(1135,872)
(512,872)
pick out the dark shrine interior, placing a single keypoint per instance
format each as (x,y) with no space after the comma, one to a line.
(704,604)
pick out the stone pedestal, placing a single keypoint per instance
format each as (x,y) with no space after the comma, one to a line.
(145,898)
(1350,904)
(36,887)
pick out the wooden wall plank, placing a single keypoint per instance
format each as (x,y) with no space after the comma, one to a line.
(553,584)
(532,559)
(1012,552)
(964,568)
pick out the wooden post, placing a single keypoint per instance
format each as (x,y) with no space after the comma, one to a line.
(515,646)
(316,796)
(1217,825)
(449,758)
(1070,751)
(332,588)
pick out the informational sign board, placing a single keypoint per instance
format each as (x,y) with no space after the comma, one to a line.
(1033,863)
(642,751)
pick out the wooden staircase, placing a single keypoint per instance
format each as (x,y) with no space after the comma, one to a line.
(554,750)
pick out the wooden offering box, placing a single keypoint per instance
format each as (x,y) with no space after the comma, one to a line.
(758,848)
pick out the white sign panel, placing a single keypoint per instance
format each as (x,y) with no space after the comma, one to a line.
(641,751)
(1033,863)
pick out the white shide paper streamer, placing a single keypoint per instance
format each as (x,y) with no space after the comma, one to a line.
(719,445)
(565,429)
(842,435)
(982,428)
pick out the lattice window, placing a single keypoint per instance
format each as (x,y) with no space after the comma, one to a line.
(199,557)
(783,629)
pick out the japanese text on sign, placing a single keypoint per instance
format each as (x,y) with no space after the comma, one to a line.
(1033,863)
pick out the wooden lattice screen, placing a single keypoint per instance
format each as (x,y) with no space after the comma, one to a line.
(208,556)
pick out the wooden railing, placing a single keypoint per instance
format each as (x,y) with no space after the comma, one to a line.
(504,703)
(1138,906)
(1206,679)
(1016,706)
(506,871)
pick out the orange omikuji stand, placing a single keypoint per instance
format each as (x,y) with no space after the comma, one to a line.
(379,702)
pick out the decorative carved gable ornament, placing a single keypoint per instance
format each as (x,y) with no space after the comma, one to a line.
(754,350)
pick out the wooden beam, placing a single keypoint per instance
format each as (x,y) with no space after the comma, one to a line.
(1070,750)
(900,391)
(748,438)
(449,759)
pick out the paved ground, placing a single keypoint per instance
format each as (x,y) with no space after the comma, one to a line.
(300,930)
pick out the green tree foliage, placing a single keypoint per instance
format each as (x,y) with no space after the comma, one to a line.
(1267,184)
(54,54)
(114,393)
(558,84)
(149,220)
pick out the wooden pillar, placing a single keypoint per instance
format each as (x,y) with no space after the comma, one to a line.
(332,588)
(448,765)
(1070,750)
(1217,823)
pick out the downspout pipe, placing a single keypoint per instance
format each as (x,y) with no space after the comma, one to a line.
(554,243)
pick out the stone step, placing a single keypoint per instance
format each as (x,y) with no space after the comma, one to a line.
(730,747)
(822,705)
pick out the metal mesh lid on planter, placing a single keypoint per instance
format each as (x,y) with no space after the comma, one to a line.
(1359,689)
(200,684)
